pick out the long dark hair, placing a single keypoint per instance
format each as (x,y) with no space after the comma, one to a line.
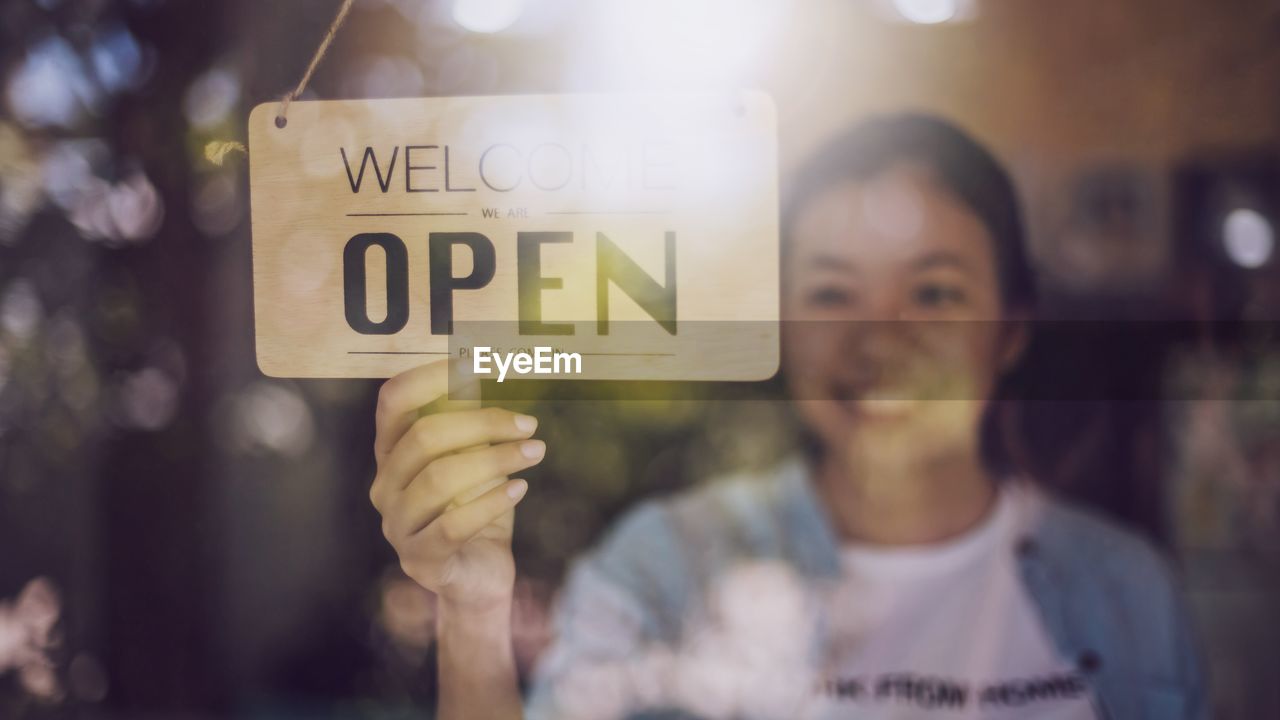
(972,174)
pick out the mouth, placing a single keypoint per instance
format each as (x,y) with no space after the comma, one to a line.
(873,403)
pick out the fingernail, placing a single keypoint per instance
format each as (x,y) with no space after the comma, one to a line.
(517,489)
(526,423)
(533,449)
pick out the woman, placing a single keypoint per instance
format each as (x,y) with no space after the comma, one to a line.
(896,569)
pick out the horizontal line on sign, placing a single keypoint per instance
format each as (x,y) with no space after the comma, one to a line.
(421,214)
(587,354)
(607,212)
(627,354)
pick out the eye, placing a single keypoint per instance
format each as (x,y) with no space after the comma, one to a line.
(939,295)
(829,296)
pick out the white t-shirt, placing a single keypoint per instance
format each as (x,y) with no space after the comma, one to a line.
(937,632)
(946,631)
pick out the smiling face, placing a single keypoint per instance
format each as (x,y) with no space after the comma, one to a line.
(892,298)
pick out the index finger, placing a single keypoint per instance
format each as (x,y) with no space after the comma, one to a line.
(400,397)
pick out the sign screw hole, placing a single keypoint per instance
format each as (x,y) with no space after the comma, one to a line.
(280,121)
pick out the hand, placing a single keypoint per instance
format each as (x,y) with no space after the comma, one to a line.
(447,506)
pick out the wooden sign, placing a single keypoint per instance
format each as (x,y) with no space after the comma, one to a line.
(639,232)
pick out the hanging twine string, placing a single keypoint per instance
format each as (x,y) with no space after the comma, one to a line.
(315,60)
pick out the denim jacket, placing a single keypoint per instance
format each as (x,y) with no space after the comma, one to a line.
(1107,599)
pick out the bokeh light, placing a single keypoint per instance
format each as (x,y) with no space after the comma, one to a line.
(21,193)
(117,59)
(4,370)
(147,399)
(211,98)
(87,678)
(28,635)
(20,309)
(487,16)
(927,12)
(1248,238)
(116,213)
(268,417)
(407,613)
(51,86)
(218,205)
(673,44)
(384,76)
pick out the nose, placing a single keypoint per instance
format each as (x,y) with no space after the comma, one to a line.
(872,347)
